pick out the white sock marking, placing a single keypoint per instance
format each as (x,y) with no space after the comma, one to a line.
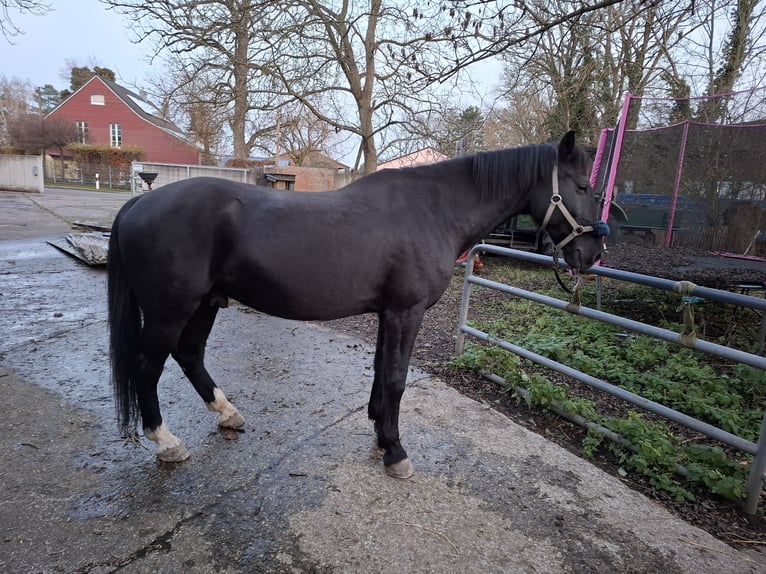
(227,413)
(165,439)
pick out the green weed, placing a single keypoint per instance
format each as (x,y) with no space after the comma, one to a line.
(728,396)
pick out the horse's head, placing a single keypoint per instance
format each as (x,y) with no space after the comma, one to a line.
(566,209)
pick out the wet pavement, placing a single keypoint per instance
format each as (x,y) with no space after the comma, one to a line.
(302,489)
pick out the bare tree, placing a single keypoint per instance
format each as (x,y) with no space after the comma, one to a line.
(301,136)
(8,29)
(386,61)
(375,63)
(188,101)
(523,119)
(35,135)
(727,40)
(583,67)
(15,101)
(724,53)
(218,41)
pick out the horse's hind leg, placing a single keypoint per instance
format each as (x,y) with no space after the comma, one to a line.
(190,355)
(157,339)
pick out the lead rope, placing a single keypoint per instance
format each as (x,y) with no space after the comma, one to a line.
(689,331)
(557,270)
(575,290)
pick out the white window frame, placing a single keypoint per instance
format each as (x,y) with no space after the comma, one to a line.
(97,100)
(82,131)
(115,135)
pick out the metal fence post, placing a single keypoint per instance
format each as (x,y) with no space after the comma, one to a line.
(755,480)
(464,300)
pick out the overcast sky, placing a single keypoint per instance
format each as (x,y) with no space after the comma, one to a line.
(83,31)
(86,33)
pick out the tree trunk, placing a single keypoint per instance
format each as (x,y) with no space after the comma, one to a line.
(735,52)
(240,68)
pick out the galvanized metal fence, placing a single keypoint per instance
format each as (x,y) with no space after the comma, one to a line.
(758,450)
(101,176)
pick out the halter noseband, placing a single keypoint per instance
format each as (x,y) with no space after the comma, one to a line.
(599,228)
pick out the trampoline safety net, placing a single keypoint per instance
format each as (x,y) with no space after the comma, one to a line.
(688,173)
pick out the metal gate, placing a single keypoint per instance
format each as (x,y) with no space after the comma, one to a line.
(758,450)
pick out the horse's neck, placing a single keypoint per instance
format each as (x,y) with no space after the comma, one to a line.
(481,215)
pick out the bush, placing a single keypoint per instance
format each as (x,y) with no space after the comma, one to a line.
(105,154)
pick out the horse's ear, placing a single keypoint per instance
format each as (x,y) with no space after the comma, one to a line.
(567,145)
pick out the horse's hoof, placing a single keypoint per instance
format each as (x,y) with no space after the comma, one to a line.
(401,469)
(233,421)
(178,453)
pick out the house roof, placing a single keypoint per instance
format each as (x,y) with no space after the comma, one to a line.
(420,157)
(318,159)
(141,106)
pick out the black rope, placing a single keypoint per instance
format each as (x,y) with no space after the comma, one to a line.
(556,270)
(558,276)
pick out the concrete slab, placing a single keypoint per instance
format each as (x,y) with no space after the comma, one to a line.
(53,212)
(302,489)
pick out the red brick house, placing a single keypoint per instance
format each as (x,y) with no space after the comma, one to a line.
(105,113)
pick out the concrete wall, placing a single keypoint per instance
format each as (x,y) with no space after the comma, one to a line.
(21,173)
(169,173)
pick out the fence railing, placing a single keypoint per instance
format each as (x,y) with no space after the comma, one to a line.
(87,174)
(758,450)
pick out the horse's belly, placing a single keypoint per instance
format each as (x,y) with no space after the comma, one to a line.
(305,302)
(317,310)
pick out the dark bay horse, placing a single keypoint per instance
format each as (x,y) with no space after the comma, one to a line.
(384,244)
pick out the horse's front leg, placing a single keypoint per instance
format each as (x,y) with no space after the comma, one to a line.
(396,336)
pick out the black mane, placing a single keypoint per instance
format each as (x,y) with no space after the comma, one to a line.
(496,171)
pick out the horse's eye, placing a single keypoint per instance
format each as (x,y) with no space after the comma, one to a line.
(583,183)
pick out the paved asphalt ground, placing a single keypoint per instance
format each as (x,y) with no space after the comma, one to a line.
(301,490)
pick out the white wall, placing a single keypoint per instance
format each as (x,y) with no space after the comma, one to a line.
(21,173)
(169,173)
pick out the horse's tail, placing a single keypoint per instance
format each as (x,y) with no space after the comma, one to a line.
(124,330)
